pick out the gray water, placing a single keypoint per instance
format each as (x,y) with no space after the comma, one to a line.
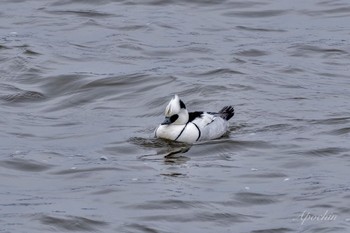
(83,84)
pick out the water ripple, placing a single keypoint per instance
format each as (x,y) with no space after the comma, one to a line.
(337,11)
(342,131)
(249,198)
(25,165)
(220,71)
(82,13)
(72,223)
(259,29)
(86,170)
(274,230)
(328,151)
(219,217)
(252,53)
(330,121)
(137,227)
(256,14)
(168,204)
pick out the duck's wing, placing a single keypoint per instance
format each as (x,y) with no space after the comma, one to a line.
(210,125)
(201,119)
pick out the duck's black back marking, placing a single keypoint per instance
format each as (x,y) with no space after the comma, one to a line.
(182,105)
(194,115)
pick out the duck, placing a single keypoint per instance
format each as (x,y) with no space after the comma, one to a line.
(190,127)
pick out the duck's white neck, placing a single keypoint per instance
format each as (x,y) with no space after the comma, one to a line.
(183,117)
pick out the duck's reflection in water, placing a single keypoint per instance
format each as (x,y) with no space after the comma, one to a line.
(169,151)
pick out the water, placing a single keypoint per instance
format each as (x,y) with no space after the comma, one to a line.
(83,84)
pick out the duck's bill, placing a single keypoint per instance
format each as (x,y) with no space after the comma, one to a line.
(166,121)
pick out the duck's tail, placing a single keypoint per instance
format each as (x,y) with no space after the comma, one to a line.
(227,112)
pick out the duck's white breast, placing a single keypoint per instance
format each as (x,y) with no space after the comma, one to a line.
(182,133)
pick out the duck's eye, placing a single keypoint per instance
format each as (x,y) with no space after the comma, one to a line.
(173,118)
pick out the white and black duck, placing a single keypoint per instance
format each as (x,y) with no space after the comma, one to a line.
(180,125)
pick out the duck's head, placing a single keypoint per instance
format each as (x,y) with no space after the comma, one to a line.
(176,112)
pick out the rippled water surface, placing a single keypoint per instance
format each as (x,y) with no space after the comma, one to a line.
(83,84)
